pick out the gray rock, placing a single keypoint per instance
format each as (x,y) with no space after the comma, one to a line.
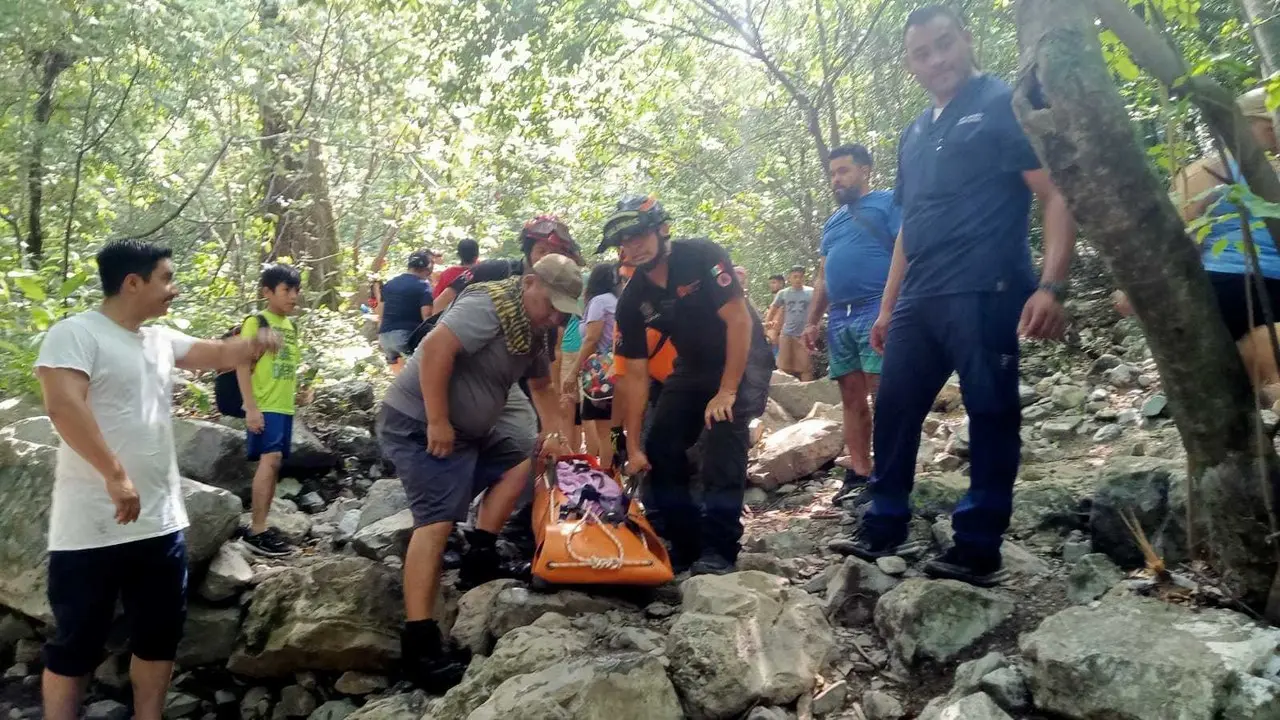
(547,643)
(311,502)
(337,614)
(385,498)
(1108,433)
(935,495)
(1068,397)
(1027,395)
(775,418)
(288,488)
(38,430)
(797,398)
(388,536)
(284,516)
(968,677)
(295,701)
(357,683)
(618,688)
(1075,547)
(334,710)
(516,606)
(471,629)
(406,706)
(1018,560)
(106,710)
(1128,417)
(342,397)
(1039,506)
(892,565)
(256,704)
(1035,413)
(213,454)
(26,651)
(209,635)
(937,619)
(17,671)
(1091,578)
(854,589)
(1106,415)
(1155,406)
(347,525)
(746,638)
(356,442)
(228,574)
(796,452)
(1123,376)
(792,543)
(768,713)
(755,497)
(761,562)
(831,699)
(26,486)
(1254,699)
(1063,428)
(179,704)
(824,411)
(1142,659)
(1007,687)
(308,456)
(880,705)
(12,631)
(1154,490)
(19,408)
(978,706)
(214,514)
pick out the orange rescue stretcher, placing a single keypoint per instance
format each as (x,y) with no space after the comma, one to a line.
(576,546)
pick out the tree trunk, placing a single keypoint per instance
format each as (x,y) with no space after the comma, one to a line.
(1081,130)
(1264,26)
(296,196)
(50,64)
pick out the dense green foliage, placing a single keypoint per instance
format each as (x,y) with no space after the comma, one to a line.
(418,122)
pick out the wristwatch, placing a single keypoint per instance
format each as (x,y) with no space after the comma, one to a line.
(1059,289)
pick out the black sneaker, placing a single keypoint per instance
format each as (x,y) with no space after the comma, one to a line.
(871,546)
(427,664)
(268,543)
(711,564)
(854,486)
(956,564)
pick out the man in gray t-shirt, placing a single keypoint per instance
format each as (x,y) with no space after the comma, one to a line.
(792,303)
(454,425)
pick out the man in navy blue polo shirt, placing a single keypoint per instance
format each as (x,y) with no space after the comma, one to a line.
(960,292)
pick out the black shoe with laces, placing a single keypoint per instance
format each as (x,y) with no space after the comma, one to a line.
(268,543)
(871,546)
(427,664)
(854,486)
(957,564)
(711,564)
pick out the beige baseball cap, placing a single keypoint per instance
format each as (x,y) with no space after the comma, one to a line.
(1253,104)
(563,279)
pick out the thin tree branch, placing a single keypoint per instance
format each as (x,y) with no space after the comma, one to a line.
(186,201)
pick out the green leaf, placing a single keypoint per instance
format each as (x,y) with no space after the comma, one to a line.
(32,287)
(1219,246)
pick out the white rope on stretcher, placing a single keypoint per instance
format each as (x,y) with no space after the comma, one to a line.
(596,562)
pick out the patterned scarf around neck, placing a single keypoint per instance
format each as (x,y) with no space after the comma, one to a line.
(507,300)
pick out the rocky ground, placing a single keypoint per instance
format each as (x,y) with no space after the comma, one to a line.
(1078,631)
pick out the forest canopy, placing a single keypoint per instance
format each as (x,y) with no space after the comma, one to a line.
(336,134)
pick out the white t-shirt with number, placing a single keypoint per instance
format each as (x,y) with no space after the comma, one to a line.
(130,389)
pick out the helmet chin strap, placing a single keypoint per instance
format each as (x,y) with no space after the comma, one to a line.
(657,259)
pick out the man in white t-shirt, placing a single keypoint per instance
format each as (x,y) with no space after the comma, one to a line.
(117,520)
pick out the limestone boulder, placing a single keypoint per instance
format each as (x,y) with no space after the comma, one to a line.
(855,589)
(336,614)
(26,487)
(404,706)
(1141,659)
(744,639)
(630,687)
(937,619)
(388,536)
(209,635)
(1154,491)
(796,452)
(385,498)
(797,398)
(213,454)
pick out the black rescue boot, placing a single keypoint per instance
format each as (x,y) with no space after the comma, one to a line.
(426,662)
(482,563)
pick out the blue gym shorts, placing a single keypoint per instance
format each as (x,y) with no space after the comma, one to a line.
(276,436)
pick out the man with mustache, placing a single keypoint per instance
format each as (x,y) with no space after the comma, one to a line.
(117,521)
